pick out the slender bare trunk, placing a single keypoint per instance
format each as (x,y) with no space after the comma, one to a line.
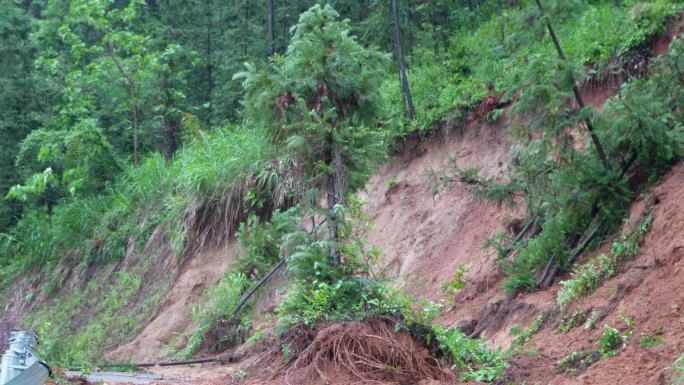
(210,68)
(576,92)
(406,91)
(132,90)
(286,26)
(332,202)
(245,28)
(271,27)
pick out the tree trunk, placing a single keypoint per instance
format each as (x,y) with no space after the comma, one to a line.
(132,89)
(576,92)
(170,129)
(331,202)
(245,29)
(271,28)
(406,91)
(136,134)
(286,26)
(210,80)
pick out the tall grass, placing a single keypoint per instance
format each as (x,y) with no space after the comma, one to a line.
(97,228)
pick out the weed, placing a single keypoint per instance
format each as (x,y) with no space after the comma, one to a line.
(587,277)
(592,320)
(572,321)
(650,340)
(611,341)
(471,357)
(523,336)
(287,352)
(459,282)
(677,370)
(256,337)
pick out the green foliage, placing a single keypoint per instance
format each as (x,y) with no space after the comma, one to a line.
(577,361)
(471,357)
(89,85)
(217,308)
(323,291)
(502,46)
(455,285)
(95,318)
(647,341)
(587,277)
(677,369)
(261,243)
(320,103)
(571,321)
(610,341)
(568,190)
(610,344)
(523,336)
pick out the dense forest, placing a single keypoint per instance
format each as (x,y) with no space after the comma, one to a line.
(130,123)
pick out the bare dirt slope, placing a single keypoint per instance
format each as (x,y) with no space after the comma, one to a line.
(173,322)
(647,291)
(427,237)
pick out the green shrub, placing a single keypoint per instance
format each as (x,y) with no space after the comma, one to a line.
(217,307)
(471,357)
(610,341)
(261,243)
(455,285)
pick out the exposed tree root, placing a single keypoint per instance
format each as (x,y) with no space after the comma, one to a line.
(370,351)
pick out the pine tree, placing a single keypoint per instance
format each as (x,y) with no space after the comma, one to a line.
(321,98)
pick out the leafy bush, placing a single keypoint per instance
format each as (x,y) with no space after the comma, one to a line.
(217,308)
(455,285)
(611,340)
(471,357)
(261,242)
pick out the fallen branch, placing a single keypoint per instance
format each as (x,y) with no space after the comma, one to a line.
(177,363)
(249,294)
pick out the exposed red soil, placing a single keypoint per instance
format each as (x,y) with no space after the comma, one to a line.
(647,291)
(173,321)
(427,237)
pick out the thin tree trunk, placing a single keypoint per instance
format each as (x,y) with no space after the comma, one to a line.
(271,28)
(406,91)
(409,22)
(210,80)
(245,28)
(170,130)
(331,202)
(132,89)
(576,92)
(286,26)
